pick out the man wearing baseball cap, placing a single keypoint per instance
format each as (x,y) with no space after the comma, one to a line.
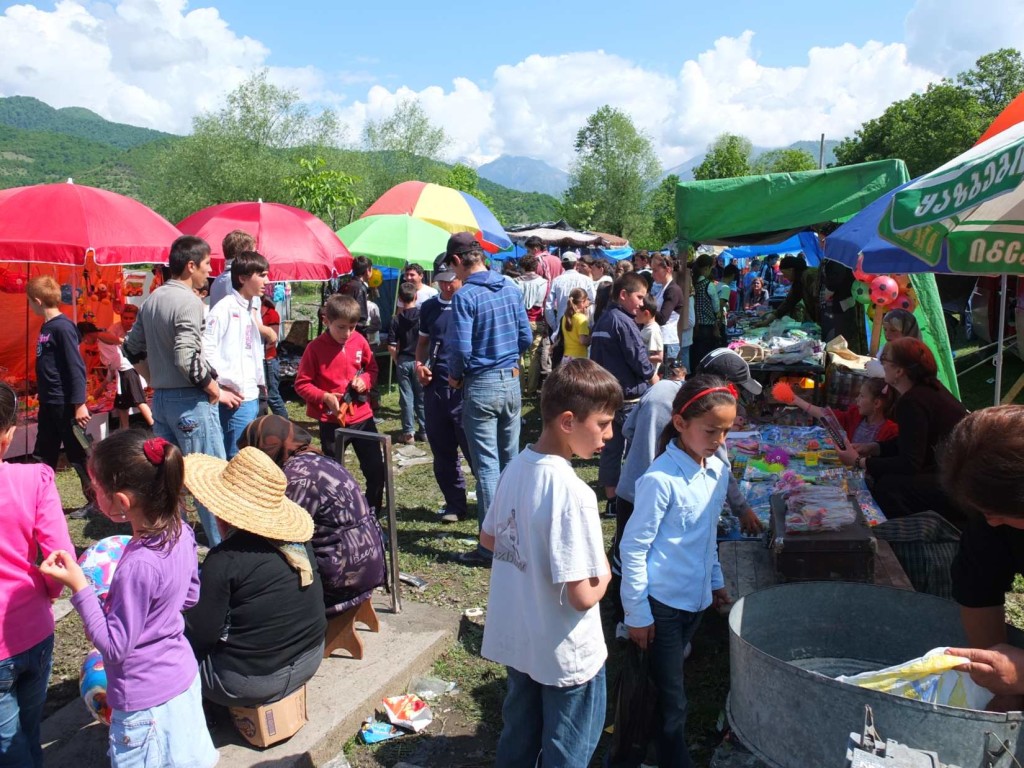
(488,333)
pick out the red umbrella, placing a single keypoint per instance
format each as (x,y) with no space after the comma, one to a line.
(298,245)
(61,223)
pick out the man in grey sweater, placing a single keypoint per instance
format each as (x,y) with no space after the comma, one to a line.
(166,344)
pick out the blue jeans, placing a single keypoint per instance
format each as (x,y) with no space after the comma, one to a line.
(684,358)
(673,629)
(562,725)
(187,418)
(23,681)
(233,422)
(671,352)
(491,410)
(410,397)
(272,374)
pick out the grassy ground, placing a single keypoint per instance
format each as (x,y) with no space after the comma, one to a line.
(467,722)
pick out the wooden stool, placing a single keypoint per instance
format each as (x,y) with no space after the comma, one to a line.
(341,629)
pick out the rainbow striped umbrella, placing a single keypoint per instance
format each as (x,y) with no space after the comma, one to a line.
(445,207)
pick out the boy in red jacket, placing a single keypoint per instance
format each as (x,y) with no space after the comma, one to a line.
(335,376)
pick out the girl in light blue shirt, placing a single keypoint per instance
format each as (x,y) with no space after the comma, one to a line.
(670,570)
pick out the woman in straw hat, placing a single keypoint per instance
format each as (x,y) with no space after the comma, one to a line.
(258,629)
(347,539)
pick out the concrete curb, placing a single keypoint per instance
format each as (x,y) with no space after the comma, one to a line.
(339,697)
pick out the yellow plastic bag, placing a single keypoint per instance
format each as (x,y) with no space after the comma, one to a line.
(930,678)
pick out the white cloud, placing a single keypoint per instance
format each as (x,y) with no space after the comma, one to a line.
(157,63)
(948,36)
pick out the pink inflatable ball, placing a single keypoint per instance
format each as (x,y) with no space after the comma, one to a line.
(905,301)
(861,292)
(884,291)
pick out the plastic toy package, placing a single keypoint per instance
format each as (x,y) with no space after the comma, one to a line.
(818,508)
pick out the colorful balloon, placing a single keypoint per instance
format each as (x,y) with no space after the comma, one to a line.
(92,685)
(861,292)
(905,301)
(903,281)
(884,291)
(100,561)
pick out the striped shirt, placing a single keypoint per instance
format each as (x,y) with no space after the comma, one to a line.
(489,329)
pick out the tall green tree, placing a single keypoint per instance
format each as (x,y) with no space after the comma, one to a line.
(403,146)
(329,194)
(728,156)
(661,209)
(466,179)
(615,168)
(928,129)
(784,161)
(244,151)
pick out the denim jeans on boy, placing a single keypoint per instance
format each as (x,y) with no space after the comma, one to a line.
(186,417)
(673,629)
(491,411)
(671,352)
(443,406)
(23,681)
(233,422)
(410,397)
(272,374)
(562,725)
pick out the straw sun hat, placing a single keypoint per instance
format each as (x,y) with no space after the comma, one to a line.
(248,493)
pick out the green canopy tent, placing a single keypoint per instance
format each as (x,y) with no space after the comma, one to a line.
(770,208)
(750,210)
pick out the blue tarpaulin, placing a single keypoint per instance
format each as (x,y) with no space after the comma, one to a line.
(803,241)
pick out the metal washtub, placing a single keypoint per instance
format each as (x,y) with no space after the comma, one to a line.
(792,717)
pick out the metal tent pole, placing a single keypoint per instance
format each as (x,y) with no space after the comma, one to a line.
(1002,334)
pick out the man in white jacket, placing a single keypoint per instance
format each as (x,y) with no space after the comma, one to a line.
(233,345)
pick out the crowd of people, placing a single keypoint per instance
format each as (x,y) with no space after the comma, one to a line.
(629,362)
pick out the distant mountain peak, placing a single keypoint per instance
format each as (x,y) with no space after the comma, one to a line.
(31,114)
(526,174)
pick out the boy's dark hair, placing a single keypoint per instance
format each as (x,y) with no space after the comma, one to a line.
(631,282)
(581,387)
(8,406)
(361,266)
(702,262)
(529,263)
(731,270)
(533,242)
(185,249)
(650,305)
(120,464)
(46,289)
(413,267)
(407,293)
(694,409)
(245,264)
(235,242)
(979,463)
(341,307)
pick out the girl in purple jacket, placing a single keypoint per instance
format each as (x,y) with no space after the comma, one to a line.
(158,713)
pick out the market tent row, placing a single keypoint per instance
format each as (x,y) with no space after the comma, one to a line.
(769,209)
(803,242)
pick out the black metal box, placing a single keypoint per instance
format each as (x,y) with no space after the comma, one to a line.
(847,554)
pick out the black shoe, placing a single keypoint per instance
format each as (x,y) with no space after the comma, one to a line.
(473,559)
(420,437)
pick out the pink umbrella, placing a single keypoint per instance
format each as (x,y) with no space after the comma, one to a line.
(62,223)
(298,245)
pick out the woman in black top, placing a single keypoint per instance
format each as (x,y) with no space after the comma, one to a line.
(258,628)
(707,321)
(903,471)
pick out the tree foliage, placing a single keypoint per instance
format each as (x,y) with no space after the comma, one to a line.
(661,209)
(728,156)
(245,151)
(397,146)
(928,129)
(466,179)
(615,168)
(783,161)
(324,192)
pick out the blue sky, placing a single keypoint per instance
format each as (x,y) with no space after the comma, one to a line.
(508,78)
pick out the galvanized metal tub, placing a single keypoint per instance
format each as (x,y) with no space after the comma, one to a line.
(788,642)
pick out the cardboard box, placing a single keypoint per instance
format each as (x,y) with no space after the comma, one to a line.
(271,723)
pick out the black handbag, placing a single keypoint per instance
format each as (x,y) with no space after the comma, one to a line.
(636,701)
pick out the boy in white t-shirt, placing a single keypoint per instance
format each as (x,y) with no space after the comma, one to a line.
(548,575)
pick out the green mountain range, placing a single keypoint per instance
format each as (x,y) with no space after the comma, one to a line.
(41,145)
